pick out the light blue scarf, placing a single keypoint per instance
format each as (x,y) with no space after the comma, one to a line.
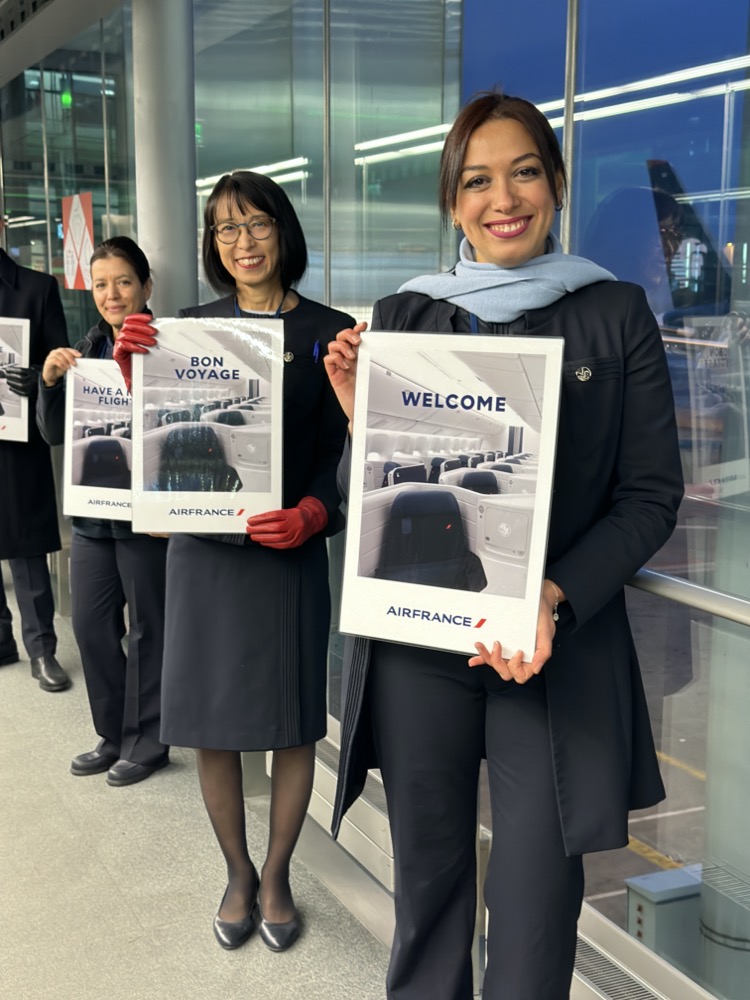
(502,294)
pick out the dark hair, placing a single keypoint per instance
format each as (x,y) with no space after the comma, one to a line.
(244,189)
(494,106)
(123,246)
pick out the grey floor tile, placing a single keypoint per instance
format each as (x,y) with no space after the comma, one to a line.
(110,892)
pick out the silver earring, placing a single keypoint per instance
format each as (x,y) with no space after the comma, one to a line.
(559,207)
(456,224)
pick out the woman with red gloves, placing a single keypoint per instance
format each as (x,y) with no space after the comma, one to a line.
(248,616)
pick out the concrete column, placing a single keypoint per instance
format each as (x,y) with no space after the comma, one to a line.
(165,164)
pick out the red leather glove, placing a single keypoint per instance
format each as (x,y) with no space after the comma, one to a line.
(287,529)
(135,337)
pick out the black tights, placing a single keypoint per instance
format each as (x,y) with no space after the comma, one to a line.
(220,774)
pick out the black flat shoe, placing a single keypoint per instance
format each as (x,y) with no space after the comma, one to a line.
(232,933)
(128,772)
(49,673)
(92,762)
(279,937)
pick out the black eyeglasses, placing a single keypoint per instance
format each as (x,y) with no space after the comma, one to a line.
(229,232)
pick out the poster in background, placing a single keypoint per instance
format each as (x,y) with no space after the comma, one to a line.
(452,466)
(78,239)
(714,356)
(207,423)
(14,350)
(97,457)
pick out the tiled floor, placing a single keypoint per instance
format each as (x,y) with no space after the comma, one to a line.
(110,893)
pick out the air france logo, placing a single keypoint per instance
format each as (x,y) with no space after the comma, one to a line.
(443,618)
(202,512)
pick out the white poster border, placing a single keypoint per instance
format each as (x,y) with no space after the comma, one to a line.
(436,616)
(95,501)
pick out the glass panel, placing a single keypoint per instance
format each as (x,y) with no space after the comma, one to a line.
(394,86)
(23,171)
(58,111)
(682,886)
(660,198)
(259,102)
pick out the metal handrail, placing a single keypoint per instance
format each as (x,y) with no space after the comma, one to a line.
(714,602)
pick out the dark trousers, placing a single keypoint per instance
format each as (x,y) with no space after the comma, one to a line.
(36,605)
(124,690)
(433,718)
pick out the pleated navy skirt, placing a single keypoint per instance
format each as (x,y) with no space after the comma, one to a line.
(245,646)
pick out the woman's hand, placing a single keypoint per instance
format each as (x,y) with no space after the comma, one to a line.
(57,363)
(514,668)
(341,365)
(135,337)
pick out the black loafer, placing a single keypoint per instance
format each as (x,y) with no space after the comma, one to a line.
(92,762)
(279,937)
(49,673)
(127,772)
(232,933)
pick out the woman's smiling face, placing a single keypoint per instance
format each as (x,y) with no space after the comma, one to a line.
(255,265)
(504,203)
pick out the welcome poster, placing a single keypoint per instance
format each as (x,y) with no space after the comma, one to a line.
(452,462)
(14,350)
(97,460)
(207,425)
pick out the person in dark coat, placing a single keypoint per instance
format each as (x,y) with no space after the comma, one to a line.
(110,567)
(248,616)
(28,511)
(564,727)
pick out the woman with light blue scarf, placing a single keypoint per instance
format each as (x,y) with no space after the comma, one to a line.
(564,727)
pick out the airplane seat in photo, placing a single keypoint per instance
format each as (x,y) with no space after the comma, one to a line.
(424,542)
(232,417)
(176,416)
(388,467)
(192,458)
(415,473)
(105,464)
(435,464)
(480,482)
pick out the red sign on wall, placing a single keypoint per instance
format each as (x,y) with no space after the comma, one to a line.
(78,239)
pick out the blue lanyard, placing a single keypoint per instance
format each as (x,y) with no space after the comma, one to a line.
(473,323)
(316,346)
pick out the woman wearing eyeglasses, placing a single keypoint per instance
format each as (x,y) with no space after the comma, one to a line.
(248,616)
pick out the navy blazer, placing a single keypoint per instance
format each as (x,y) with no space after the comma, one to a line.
(617,488)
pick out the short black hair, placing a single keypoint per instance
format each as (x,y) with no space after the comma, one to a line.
(244,189)
(123,246)
(494,106)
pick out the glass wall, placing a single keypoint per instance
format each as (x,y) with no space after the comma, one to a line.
(660,198)
(66,130)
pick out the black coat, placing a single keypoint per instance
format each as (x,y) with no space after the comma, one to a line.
(617,487)
(28,512)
